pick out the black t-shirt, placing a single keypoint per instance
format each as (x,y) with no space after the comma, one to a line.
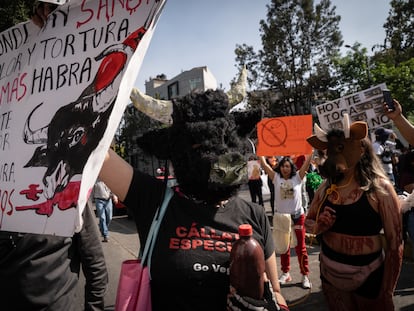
(190,262)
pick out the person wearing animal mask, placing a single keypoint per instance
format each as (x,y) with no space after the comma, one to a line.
(353,213)
(208,150)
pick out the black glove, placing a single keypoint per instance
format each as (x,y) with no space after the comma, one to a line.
(244,303)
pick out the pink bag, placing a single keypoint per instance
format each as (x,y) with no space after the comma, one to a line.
(347,277)
(134,285)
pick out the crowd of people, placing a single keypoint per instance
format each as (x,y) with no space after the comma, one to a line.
(352,208)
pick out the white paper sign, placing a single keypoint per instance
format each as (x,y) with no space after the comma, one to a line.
(366,105)
(63,90)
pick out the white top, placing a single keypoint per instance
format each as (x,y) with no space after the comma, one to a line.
(288,194)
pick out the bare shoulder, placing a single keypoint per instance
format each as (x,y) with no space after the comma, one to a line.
(387,186)
(386,196)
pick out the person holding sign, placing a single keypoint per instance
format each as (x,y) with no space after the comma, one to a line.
(288,198)
(273,162)
(42,271)
(207,147)
(400,121)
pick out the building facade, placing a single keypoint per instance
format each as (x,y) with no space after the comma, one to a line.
(196,79)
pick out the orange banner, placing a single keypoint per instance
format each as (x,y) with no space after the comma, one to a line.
(284,136)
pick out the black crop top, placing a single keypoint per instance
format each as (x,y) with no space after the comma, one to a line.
(358,218)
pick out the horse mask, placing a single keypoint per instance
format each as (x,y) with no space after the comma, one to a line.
(343,148)
(207,145)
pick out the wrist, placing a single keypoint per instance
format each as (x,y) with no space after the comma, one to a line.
(398,119)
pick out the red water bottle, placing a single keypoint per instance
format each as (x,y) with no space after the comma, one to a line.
(247,264)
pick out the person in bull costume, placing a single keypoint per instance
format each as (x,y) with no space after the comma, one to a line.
(208,150)
(356,216)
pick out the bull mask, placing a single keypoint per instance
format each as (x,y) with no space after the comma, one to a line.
(206,144)
(343,147)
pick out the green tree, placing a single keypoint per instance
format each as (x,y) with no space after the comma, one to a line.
(133,124)
(298,41)
(13,12)
(393,62)
(246,55)
(400,31)
(354,70)
(399,80)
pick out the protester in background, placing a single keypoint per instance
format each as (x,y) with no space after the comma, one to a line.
(288,183)
(400,121)
(407,185)
(273,163)
(313,177)
(255,182)
(352,212)
(384,147)
(192,252)
(104,198)
(305,196)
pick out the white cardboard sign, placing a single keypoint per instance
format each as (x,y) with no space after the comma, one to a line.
(63,90)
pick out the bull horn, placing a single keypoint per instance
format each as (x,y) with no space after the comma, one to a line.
(346,125)
(160,110)
(34,137)
(320,133)
(237,92)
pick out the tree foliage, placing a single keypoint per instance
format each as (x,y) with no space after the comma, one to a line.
(13,12)
(134,124)
(300,60)
(354,70)
(298,40)
(399,80)
(400,31)
(394,62)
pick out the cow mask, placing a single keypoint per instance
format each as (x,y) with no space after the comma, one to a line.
(343,148)
(206,144)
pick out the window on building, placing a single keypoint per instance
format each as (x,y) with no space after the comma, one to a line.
(195,83)
(173,90)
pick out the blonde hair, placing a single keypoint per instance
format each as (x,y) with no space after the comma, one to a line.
(369,171)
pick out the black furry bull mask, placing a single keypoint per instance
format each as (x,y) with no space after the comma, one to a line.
(206,144)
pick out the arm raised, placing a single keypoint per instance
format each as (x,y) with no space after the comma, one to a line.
(116,173)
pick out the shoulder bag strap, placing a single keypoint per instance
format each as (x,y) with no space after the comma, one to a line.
(153,232)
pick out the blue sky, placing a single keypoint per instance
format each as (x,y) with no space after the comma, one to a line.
(192,33)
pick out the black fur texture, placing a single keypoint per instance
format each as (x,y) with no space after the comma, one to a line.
(203,130)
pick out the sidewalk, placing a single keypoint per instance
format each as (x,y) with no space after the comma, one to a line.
(300,299)
(124,244)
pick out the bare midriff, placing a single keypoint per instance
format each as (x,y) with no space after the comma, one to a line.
(352,245)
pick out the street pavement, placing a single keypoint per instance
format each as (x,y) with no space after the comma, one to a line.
(124,245)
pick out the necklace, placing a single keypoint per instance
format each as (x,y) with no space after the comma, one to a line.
(192,198)
(333,190)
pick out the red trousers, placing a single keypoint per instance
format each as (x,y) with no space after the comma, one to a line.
(300,249)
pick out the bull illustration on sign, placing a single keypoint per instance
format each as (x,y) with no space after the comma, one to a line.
(75,130)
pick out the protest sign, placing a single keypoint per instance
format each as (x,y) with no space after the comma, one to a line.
(366,105)
(284,136)
(64,88)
